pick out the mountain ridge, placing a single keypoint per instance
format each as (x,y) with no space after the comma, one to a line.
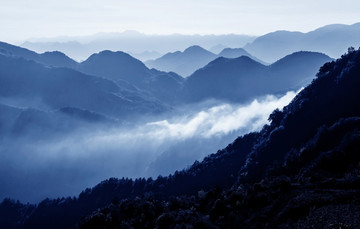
(331,39)
(288,175)
(229,79)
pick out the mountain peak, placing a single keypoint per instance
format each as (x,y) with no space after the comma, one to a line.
(297,56)
(109,53)
(195,48)
(109,58)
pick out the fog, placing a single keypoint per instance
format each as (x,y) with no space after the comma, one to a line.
(80,48)
(33,168)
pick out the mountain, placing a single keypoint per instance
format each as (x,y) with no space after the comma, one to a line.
(131,73)
(332,40)
(238,79)
(135,81)
(302,167)
(117,66)
(146,55)
(218,48)
(80,48)
(183,63)
(237,52)
(192,59)
(56,59)
(30,84)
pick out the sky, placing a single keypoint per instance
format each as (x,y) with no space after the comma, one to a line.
(24,19)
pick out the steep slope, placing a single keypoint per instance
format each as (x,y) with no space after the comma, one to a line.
(302,167)
(56,59)
(297,171)
(183,63)
(242,79)
(332,40)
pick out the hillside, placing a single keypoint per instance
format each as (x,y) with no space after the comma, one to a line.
(294,171)
(293,174)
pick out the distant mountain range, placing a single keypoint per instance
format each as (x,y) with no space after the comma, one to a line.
(55,59)
(238,52)
(332,40)
(80,48)
(191,59)
(183,63)
(123,69)
(39,86)
(235,79)
(135,83)
(300,171)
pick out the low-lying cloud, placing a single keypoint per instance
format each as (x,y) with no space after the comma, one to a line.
(33,169)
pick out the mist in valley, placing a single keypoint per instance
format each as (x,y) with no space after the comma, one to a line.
(44,162)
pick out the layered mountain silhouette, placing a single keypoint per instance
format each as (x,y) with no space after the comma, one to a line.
(238,52)
(241,79)
(331,39)
(81,48)
(131,73)
(302,167)
(183,63)
(55,59)
(135,81)
(193,58)
(231,79)
(30,84)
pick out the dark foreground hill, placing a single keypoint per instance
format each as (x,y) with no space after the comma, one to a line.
(301,171)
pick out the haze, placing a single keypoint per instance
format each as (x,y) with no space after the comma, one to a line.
(22,19)
(66,164)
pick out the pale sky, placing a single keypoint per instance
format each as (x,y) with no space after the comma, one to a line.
(23,19)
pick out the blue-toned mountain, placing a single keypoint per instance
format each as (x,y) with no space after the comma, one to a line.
(332,40)
(302,167)
(241,79)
